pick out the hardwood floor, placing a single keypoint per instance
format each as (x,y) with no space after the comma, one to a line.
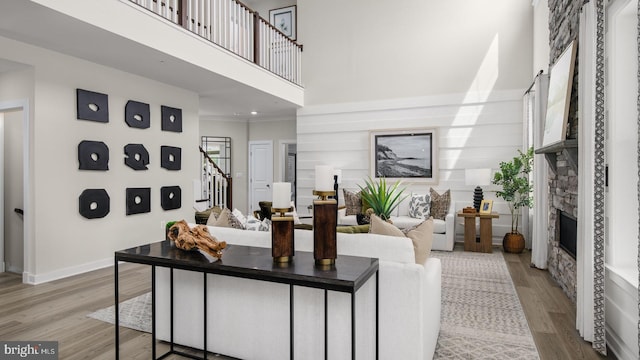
(57,311)
(549,312)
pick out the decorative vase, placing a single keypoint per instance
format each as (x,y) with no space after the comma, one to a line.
(513,242)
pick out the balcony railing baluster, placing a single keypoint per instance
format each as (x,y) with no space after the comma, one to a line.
(235,27)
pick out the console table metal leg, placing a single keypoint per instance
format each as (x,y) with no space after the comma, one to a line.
(153,311)
(171,308)
(204,341)
(326,341)
(353,326)
(291,322)
(377,312)
(117,310)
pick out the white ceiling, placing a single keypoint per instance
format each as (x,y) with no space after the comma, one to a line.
(220,97)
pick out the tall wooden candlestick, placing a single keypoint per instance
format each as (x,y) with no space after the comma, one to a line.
(325,220)
(282,236)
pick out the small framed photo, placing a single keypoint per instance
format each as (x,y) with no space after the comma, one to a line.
(486,206)
(284,19)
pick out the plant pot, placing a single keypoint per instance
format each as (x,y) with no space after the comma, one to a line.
(513,242)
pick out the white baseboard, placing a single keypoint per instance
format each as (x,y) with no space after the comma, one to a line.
(35,279)
(2,267)
(617,346)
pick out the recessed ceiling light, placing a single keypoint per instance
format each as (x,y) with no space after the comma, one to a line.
(254,113)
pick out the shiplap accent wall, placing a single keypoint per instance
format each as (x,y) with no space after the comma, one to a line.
(474,131)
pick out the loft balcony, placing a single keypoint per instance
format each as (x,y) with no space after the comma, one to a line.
(235,27)
(219,49)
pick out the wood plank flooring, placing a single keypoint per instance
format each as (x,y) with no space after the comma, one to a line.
(57,311)
(550,313)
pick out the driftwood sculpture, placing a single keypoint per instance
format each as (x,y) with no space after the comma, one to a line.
(199,237)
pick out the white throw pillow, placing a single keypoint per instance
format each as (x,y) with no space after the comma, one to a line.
(420,206)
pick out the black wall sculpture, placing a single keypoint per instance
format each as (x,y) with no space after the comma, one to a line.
(94,203)
(171,119)
(138,200)
(92,106)
(136,156)
(171,157)
(170,197)
(93,155)
(137,115)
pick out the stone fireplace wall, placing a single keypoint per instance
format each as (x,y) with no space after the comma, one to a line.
(564,16)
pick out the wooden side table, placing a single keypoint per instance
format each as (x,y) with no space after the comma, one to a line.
(471,242)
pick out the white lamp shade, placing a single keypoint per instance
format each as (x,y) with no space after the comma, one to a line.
(477,177)
(281,195)
(324,178)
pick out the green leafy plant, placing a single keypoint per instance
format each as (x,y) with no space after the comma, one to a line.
(516,187)
(383,199)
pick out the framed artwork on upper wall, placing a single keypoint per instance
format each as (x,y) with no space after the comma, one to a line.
(560,84)
(284,19)
(410,155)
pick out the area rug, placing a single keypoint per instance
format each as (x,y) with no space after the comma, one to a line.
(135,313)
(481,314)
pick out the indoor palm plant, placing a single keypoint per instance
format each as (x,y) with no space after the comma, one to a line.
(383,199)
(513,176)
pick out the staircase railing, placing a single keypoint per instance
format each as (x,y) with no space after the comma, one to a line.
(217,187)
(235,27)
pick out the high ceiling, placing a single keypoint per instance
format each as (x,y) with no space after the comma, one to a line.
(220,97)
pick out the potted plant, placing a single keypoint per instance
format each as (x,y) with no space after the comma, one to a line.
(513,176)
(383,199)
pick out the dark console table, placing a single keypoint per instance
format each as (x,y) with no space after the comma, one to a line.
(347,275)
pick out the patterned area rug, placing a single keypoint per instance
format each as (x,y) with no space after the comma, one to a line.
(481,314)
(135,313)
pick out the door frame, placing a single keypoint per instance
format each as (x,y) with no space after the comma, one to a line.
(250,171)
(28,249)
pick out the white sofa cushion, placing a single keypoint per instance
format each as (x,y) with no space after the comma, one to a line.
(439,226)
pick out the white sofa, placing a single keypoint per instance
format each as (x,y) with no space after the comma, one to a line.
(248,319)
(443,230)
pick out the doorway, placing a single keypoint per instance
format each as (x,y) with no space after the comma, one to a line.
(12,162)
(288,165)
(260,173)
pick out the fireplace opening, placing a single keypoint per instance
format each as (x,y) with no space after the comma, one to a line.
(568,233)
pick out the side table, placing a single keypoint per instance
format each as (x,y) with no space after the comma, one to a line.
(471,242)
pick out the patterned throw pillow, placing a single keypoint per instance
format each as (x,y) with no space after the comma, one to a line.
(420,206)
(265,225)
(352,202)
(227,219)
(440,203)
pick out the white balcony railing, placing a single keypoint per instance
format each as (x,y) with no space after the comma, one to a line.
(237,28)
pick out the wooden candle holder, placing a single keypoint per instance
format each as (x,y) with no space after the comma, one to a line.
(282,236)
(325,220)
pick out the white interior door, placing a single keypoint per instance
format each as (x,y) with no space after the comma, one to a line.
(260,173)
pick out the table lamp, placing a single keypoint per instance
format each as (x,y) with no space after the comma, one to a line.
(478,177)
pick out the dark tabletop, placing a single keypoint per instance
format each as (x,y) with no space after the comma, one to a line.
(347,275)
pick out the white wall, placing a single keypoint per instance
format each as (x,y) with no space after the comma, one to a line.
(263,6)
(459,66)
(368,50)
(471,135)
(238,131)
(241,132)
(540,36)
(276,131)
(63,241)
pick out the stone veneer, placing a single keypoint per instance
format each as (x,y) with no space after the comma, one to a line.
(564,18)
(563,197)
